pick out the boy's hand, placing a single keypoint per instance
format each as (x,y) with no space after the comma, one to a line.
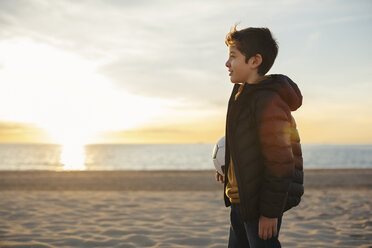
(219,177)
(267,227)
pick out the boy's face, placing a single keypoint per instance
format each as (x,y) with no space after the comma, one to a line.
(240,71)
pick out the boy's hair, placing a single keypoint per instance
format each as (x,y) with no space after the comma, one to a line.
(252,41)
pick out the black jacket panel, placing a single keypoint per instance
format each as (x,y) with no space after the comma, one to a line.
(263,141)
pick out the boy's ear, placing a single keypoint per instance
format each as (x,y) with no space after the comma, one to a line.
(256,60)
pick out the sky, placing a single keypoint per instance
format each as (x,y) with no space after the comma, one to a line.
(154,71)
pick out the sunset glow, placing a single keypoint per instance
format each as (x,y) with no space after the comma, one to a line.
(75,73)
(63,94)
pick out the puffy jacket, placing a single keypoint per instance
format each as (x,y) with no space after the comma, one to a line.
(264,144)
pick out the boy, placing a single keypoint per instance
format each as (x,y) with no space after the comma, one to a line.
(263,158)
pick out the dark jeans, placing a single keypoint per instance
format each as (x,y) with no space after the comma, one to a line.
(244,234)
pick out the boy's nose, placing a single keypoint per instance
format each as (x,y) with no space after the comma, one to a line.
(227,64)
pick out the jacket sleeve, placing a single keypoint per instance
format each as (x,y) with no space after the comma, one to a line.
(273,118)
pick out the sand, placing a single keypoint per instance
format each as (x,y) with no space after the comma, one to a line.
(170,209)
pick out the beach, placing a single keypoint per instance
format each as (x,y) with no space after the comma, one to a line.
(170,209)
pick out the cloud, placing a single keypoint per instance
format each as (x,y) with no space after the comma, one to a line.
(163,48)
(175,50)
(149,48)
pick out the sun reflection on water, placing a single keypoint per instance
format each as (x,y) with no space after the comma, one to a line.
(73,157)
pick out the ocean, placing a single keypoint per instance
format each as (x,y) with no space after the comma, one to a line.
(159,157)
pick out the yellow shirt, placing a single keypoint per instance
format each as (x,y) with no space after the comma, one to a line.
(232,191)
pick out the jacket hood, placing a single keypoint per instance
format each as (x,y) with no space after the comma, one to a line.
(284,86)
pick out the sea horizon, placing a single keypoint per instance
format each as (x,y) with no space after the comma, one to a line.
(183,156)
